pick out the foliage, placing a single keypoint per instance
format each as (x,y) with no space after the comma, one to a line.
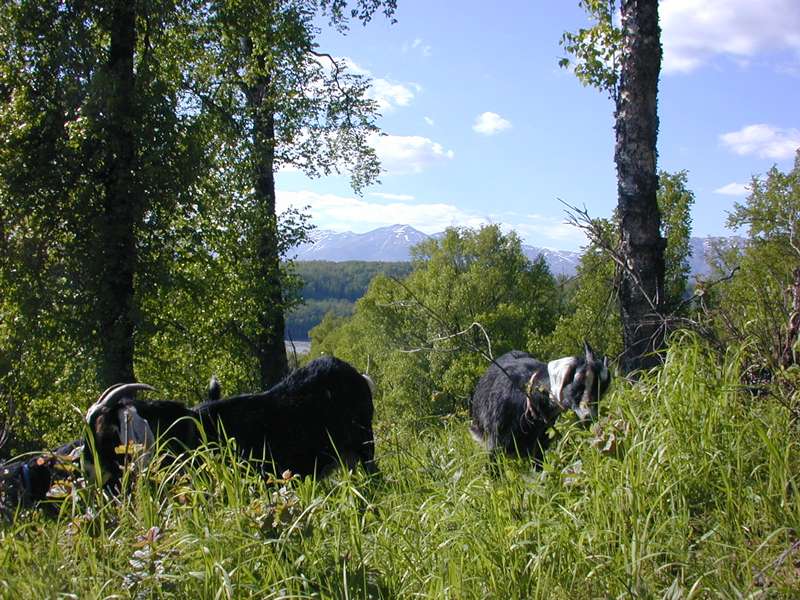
(592,310)
(427,338)
(685,489)
(279,102)
(675,201)
(346,280)
(197,226)
(595,49)
(310,313)
(333,287)
(53,173)
(591,313)
(755,304)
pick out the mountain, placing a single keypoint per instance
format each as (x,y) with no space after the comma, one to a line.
(560,262)
(383,244)
(394,243)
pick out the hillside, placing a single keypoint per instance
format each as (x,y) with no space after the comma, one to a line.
(333,287)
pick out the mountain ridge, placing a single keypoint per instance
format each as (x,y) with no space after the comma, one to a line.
(393,243)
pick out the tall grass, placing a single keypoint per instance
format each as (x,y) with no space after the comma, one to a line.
(687,488)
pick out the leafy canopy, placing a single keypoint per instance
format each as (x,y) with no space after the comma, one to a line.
(427,338)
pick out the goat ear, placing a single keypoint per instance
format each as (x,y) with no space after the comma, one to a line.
(214,388)
(588,351)
(605,374)
(562,372)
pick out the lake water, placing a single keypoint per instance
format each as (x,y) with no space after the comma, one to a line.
(302,347)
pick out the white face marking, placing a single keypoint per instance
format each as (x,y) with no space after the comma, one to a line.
(559,370)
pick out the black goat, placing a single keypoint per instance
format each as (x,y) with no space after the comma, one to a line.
(317,416)
(124,428)
(121,426)
(27,480)
(519,398)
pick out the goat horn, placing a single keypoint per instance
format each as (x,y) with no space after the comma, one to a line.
(118,392)
(107,391)
(99,402)
(113,393)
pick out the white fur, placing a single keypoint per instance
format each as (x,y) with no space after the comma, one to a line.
(371,384)
(558,370)
(135,431)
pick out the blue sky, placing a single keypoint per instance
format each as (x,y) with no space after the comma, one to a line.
(482,126)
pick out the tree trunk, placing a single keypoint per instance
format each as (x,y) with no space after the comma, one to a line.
(121,203)
(788,357)
(268,342)
(642,289)
(272,361)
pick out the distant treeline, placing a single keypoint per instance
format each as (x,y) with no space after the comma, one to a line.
(334,286)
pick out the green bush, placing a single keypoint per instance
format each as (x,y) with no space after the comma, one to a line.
(427,338)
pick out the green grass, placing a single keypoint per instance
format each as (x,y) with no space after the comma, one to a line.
(688,488)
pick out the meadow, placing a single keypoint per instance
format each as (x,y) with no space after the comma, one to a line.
(686,488)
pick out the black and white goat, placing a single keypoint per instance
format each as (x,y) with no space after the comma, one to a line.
(318,416)
(519,398)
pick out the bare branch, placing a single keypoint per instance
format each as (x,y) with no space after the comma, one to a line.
(444,338)
(580,218)
(460,336)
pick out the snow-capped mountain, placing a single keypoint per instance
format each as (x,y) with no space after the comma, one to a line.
(560,262)
(394,243)
(383,244)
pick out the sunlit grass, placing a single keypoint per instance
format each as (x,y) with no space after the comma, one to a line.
(688,488)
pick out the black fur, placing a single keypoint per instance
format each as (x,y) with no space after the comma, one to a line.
(519,398)
(25,481)
(318,415)
(172,422)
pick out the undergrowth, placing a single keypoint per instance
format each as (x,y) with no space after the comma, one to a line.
(686,488)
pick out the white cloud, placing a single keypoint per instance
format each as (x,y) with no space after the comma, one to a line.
(343,213)
(693,31)
(419,45)
(763,140)
(489,123)
(405,154)
(386,196)
(429,121)
(733,189)
(388,94)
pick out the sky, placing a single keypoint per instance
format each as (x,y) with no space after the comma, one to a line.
(482,126)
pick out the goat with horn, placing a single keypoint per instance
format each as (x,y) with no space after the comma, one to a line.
(123,428)
(318,416)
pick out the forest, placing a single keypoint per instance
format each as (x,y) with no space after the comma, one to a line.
(333,287)
(141,242)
